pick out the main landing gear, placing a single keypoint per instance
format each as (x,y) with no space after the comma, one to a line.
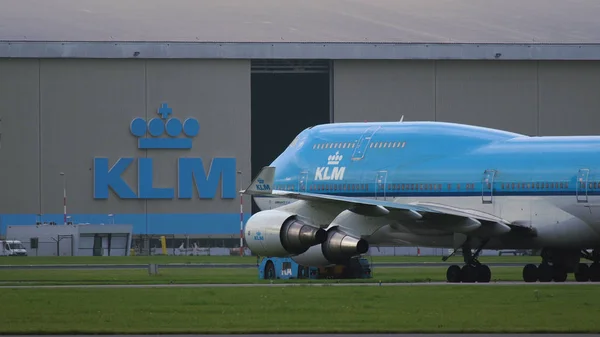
(472,271)
(556,264)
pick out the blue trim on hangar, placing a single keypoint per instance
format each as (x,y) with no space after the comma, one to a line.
(178,224)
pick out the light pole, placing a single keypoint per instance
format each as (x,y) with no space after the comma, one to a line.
(64,197)
(241,216)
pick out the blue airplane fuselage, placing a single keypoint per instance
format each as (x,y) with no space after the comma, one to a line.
(543,180)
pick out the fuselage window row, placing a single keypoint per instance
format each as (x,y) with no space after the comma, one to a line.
(374,145)
(435,187)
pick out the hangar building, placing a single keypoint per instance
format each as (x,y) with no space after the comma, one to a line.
(158,113)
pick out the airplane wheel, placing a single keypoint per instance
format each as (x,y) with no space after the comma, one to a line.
(530,273)
(468,274)
(269,271)
(559,274)
(583,273)
(594,272)
(453,274)
(484,274)
(545,272)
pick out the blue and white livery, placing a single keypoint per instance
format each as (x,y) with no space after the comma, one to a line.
(339,188)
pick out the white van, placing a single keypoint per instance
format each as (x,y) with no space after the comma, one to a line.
(12,248)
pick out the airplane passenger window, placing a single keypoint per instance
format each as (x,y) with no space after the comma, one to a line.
(403,143)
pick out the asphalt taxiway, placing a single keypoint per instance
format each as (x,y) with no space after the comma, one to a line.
(230,265)
(340,335)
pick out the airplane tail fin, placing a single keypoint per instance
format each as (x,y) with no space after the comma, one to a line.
(263,183)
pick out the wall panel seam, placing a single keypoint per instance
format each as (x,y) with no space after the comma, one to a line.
(146,115)
(537,86)
(40,195)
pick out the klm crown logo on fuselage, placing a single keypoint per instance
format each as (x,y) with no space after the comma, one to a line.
(261,186)
(258,236)
(332,171)
(189,170)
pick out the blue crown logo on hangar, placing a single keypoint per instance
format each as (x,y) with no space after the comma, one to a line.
(157,126)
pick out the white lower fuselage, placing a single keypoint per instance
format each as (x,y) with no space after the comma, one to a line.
(560,221)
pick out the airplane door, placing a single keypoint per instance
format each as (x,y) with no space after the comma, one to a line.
(581,188)
(487,186)
(381,185)
(363,143)
(302,181)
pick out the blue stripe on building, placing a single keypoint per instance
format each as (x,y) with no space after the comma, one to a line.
(203,224)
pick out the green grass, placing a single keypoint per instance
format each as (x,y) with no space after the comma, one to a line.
(443,309)
(220,275)
(161,259)
(32,260)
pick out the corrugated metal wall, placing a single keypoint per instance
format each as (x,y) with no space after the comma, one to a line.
(57,115)
(535,98)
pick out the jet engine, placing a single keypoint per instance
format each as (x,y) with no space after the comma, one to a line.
(278,233)
(338,248)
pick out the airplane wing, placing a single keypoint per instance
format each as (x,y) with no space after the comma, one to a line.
(430,215)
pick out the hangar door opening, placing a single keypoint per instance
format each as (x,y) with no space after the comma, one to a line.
(287,97)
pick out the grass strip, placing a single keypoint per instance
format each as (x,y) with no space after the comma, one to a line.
(298,309)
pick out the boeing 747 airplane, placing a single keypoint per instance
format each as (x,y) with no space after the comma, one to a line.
(343,187)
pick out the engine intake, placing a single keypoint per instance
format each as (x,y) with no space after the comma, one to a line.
(278,234)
